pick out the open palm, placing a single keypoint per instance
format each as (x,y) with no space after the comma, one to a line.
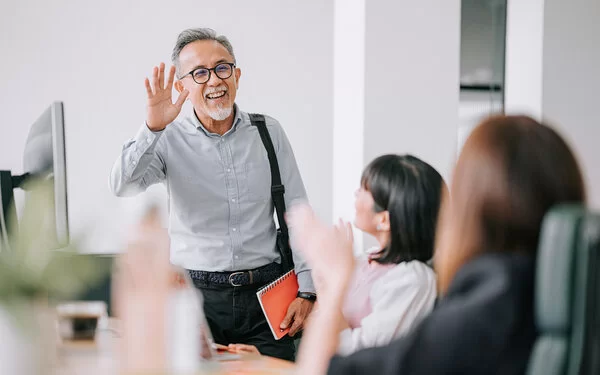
(161,109)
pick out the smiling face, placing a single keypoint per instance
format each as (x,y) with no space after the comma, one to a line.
(215,98)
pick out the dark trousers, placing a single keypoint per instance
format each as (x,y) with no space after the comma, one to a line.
(235,317)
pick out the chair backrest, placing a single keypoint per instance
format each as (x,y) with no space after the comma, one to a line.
(566,293)
(590,361)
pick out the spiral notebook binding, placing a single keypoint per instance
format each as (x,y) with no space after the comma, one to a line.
(275,283)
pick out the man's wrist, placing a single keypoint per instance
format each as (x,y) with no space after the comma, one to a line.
(154,129)
(307,296)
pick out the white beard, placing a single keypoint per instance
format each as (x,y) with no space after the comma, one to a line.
(220,113)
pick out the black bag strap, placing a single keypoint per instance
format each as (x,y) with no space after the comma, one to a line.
(277,188)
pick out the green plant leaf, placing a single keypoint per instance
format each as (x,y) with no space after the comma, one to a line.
(32,269)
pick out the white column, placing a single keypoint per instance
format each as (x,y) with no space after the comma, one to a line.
(348,104)
(348,107)
(524,52)
(562,84)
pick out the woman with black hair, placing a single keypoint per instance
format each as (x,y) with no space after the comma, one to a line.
(392,287)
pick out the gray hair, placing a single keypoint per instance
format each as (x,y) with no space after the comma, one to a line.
(192,35)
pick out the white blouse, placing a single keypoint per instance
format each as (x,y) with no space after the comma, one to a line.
(399,298)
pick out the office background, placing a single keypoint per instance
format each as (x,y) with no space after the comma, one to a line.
(348,80)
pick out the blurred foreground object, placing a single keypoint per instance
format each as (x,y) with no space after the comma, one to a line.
(141,288)
(32,278)
(79,320)
(162,320)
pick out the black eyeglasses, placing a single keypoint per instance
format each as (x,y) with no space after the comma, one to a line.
(202,75)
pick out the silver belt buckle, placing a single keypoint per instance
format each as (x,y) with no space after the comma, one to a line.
(231,280)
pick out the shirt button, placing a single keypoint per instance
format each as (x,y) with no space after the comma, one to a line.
(234,229)
(228,169)
(237,257)
(233,200)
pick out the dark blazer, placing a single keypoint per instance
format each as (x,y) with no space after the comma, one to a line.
(484,325)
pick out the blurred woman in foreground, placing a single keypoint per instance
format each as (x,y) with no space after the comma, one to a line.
(511,171)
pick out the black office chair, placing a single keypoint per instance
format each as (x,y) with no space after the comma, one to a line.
(567,294)
(590,361)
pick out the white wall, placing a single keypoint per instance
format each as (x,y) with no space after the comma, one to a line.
(553,55)
(94,56)
(571,81)
(412,80)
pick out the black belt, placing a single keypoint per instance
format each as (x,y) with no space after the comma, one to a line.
(258,276)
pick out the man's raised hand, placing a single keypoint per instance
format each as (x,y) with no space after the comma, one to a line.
(161,109)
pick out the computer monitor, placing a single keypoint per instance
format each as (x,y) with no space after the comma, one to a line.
(43,159)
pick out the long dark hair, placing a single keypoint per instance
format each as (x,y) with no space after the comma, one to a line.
(511,171)
(411,191)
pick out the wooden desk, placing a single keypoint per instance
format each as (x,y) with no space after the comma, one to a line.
(99,357)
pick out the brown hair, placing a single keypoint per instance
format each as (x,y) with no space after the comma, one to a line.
(511,170)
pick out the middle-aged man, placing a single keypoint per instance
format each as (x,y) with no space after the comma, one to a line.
(216,171)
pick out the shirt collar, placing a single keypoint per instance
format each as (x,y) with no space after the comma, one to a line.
(236,120)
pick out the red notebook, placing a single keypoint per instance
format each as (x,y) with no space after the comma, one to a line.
(275,299)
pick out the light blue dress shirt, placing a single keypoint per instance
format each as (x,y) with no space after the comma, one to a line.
(220,207)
